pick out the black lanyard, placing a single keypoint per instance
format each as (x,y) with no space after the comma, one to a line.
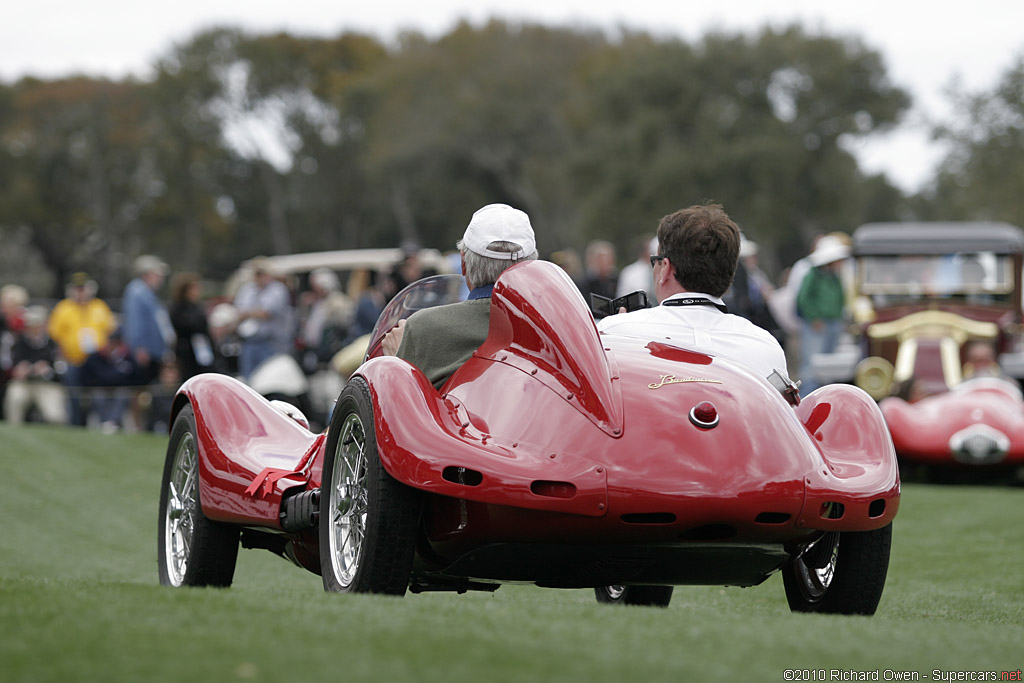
(694,301)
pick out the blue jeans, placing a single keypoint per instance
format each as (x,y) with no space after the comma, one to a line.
(72,379)
(254,352)
(108,408)
(812,342)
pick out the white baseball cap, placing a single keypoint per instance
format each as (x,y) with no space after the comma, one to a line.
(500,223)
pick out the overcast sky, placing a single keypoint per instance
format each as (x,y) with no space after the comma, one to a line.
(926,43)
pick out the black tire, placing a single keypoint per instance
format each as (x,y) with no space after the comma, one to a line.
(649,596)
(368,520)
(192,550)
(842,573)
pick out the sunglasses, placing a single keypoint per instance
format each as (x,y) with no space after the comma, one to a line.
(655,258)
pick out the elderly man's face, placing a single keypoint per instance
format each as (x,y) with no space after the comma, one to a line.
(155,279)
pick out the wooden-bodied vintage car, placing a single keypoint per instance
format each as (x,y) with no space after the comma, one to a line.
(555,456)
(930,295)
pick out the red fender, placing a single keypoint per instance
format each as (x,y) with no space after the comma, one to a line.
(249,452)
(859,468)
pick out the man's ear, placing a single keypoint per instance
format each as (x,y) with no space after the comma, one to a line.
(668,273)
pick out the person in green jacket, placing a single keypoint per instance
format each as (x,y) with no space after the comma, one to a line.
(439,340)
(821,304)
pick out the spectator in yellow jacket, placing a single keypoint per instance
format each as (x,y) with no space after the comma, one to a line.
(81,325)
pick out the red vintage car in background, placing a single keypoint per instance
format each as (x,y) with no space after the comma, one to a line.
(555,456)
(978,425)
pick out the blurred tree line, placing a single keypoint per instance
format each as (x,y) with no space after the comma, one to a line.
(242,144)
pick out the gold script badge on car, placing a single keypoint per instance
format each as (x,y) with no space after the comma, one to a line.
(672,379)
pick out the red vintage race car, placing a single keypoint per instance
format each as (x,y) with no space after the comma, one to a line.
(976,427)
(554,456)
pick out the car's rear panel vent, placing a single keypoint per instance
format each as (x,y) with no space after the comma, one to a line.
(462,475)
(553,489)
(649,518)
(876,508)
(773,518)
(831,510)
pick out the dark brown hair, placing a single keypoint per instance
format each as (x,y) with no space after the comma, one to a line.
(703,245)
(180,284)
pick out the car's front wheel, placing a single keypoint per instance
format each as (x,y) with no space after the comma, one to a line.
(840,573)
(193,550)
(651,596)
(368,520)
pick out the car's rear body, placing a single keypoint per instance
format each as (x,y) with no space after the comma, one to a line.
(562,457)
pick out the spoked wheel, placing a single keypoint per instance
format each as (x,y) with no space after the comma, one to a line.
(193,550)
(840,573)
(368,520)
(651,596)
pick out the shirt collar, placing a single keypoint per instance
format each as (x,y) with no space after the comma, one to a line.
(481,292)
(696,295)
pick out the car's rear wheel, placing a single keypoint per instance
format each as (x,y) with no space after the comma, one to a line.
(368,520)
(841,573)
(651,596)
(193,550)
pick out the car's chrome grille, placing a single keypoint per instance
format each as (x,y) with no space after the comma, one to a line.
(979,445)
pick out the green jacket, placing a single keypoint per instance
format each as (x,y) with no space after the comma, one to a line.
(439,340)
(821,295)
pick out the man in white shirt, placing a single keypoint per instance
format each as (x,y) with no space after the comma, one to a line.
(267,324)
(698,252)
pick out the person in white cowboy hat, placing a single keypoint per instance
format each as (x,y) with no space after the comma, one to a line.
(439,340)
(821,305)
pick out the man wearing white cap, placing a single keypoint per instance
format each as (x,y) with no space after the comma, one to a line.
(439,340)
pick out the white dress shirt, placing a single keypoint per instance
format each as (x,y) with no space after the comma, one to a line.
(702,328)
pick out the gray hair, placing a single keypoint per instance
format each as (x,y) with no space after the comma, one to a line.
(483,270)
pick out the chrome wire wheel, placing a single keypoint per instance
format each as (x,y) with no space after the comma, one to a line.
(193,550)
(182,508)
(347,502)
(816,568)
(369,521)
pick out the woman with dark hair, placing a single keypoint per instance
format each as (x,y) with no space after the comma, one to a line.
(193,349)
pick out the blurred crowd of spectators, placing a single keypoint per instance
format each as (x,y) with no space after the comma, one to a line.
(78,362)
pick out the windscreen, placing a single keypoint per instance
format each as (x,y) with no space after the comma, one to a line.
(431,291)
(978,276)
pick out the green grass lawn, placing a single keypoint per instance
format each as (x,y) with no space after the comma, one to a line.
(80,600)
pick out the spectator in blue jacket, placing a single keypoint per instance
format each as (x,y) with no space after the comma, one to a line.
(147,326)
